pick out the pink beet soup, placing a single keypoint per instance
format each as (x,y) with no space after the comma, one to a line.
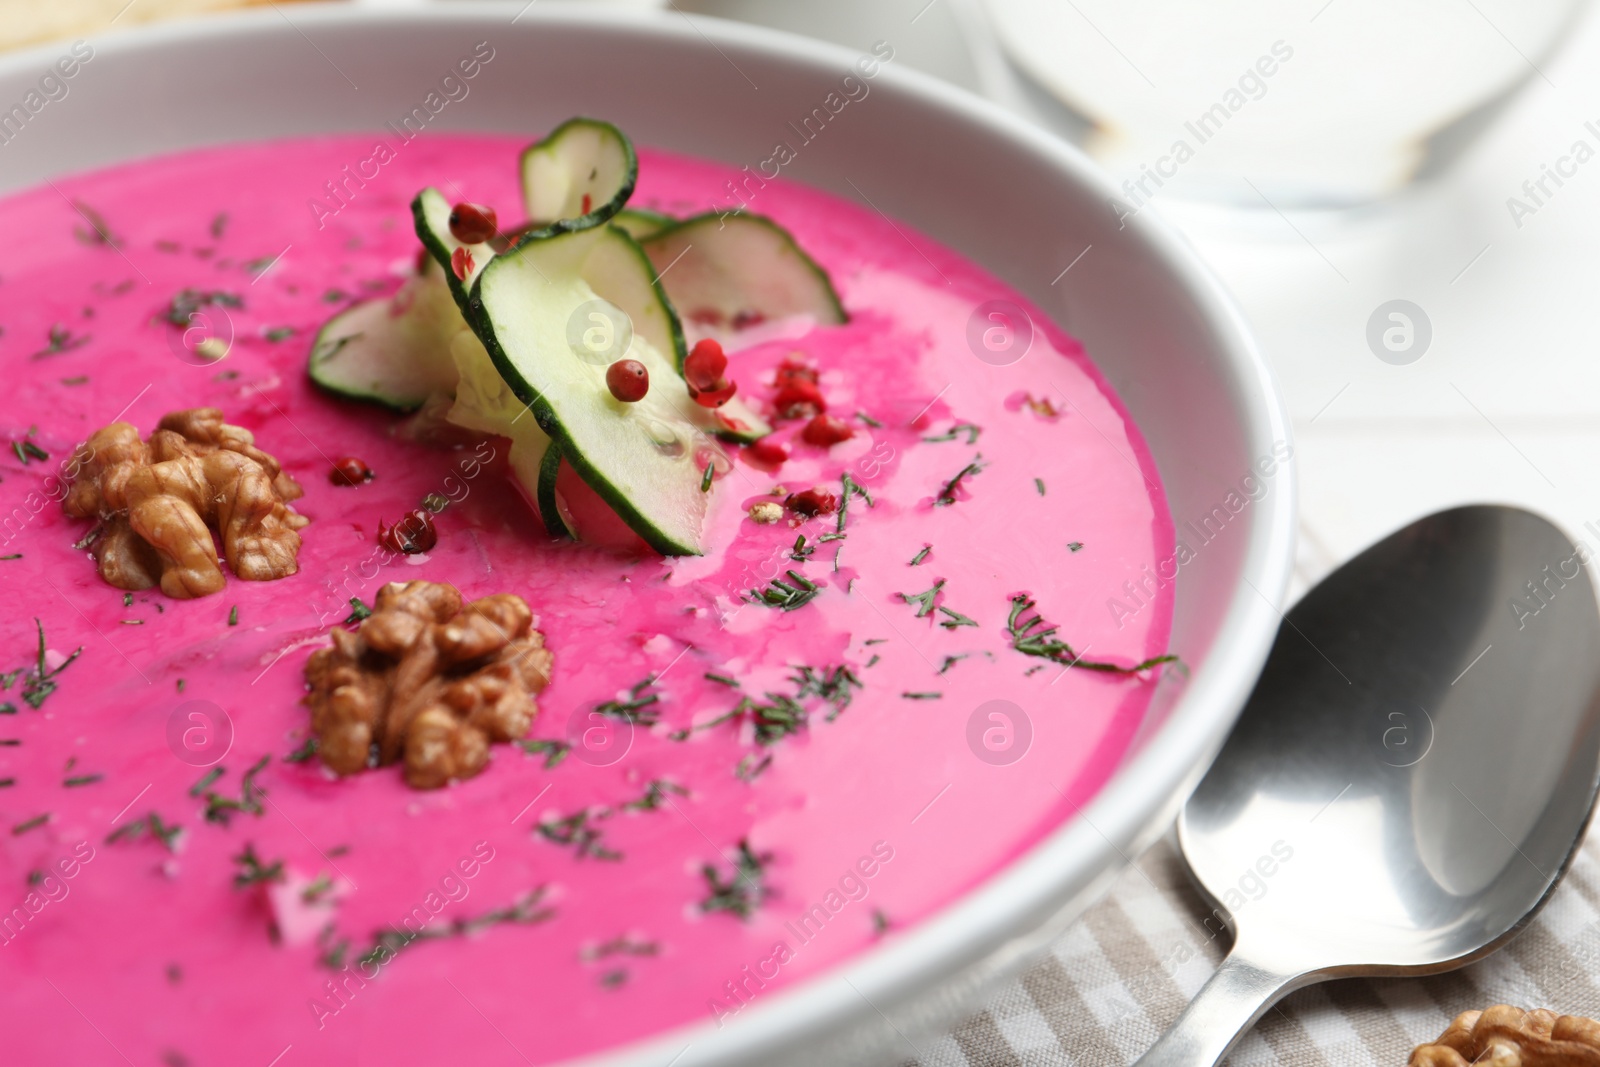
(130,926)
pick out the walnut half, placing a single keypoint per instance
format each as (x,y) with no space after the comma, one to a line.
(428,680)
(1503,1036)
(159,498)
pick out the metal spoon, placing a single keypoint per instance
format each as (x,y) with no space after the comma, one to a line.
(1411,776)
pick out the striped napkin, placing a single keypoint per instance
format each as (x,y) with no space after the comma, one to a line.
(1119,977)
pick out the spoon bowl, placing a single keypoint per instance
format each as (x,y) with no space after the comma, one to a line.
(1412,774)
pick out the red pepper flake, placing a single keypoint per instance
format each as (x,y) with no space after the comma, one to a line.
(714,398)
(586,203)
(794,368)
(461,263)
(799,400)
(706,372)
(473,223)
(423,255)
(706,365)
(766,452)
(350,471)
(826,430)
(413,534)
(745,319)
(809,502)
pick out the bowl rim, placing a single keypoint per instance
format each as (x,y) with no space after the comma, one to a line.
(1074,860)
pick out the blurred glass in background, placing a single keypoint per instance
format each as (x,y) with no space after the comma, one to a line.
(1304,104)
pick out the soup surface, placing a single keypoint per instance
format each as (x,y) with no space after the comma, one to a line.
(588,892)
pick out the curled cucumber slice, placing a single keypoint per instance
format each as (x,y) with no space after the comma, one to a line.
(394,350)
(728,271)
(579,176)
(644,459)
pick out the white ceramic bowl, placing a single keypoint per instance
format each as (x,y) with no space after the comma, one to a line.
(1019,203)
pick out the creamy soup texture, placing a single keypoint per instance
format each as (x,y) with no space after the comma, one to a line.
(660,871)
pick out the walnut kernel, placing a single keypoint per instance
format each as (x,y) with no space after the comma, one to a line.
(429,681)
(1503,1036)
(158,499)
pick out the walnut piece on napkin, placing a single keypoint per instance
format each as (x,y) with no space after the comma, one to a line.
(428,680)
(158,499)
(1503,1036)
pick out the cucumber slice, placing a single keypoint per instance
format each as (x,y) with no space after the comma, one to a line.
(549,467)
(393,350)
(724,271)
(579,176)
(621,272)
(639,222)
(643,459)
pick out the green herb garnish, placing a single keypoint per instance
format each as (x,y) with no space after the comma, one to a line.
(575,830)
(836,686)
(781,594)
(1038,483)
(61,340)
(40,682)
(127,600)
(221,809)
(923,600)
(552,751)
(923,696)
(750,767)
(951,661)
(1074,546)
(869,420)
(151,824)
(655,793)
(955,432)
(100,234)
(920,556)
(182,308)
(742,893)
(386,944)
(303,753)
(1028,638)
(27,450)
(319,888)
(947,495)
(205,780)
(252,871)
(13,555)
(358,611)
(233,615)
(851,488)
(705,479)
(637,708)
(278,333)
(82,779)
(955,620)
(31,824)
(721,679)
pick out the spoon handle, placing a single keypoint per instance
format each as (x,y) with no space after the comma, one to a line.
(1226,1006)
